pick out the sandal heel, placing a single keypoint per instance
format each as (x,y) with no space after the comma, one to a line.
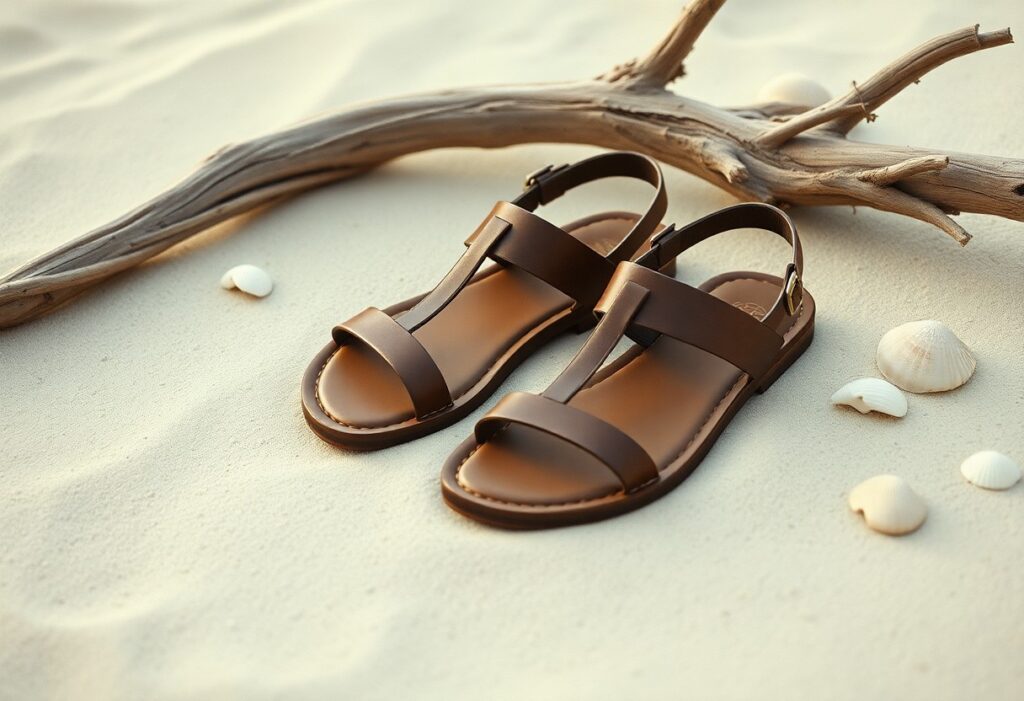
(770,379)
(784,363)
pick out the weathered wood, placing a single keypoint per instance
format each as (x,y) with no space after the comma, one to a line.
(772,153)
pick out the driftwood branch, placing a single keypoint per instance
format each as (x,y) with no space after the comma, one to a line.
(911,67)
(777,136)
(904,169)
(773,153)
(665,62)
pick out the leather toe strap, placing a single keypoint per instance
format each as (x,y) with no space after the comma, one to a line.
(620,453)
(407,357)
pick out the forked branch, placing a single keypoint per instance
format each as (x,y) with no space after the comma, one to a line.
(665,61)
(775,153)
(889,175)
(777,136)
(911,67)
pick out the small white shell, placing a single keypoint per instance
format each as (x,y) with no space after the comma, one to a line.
(889,505)
(990,470)
(794,89)
(248,279)
(924,356)
(871,394)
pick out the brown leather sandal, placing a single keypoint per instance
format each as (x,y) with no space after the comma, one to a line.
(600,441)
(392,375)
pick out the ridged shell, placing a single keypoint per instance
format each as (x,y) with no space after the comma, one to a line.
(872,394)
(924,356)
(794,89)
(889,505)
(248,279)
(990,469)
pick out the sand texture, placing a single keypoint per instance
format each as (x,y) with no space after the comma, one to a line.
(170,529)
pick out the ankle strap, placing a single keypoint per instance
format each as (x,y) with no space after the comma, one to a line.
(551,182)
(751,215)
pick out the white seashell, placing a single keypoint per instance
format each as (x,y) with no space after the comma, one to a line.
(248,279)
(990,470)
(924,356)
(889,505)
(794,89)
(871,394)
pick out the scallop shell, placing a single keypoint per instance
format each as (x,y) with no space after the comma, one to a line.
(990,469)
(889,505)
(248,279)
(871,394)
(794,89)
(924,356)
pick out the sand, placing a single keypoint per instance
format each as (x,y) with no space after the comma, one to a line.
(170,529)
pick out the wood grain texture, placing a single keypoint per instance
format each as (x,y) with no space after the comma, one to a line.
(781,154)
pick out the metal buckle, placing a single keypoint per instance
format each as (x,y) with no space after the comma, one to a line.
(539,174)
(792,283)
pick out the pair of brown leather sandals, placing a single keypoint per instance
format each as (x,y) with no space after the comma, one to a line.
(605,437)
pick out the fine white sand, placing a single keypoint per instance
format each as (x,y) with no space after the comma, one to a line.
(170,529)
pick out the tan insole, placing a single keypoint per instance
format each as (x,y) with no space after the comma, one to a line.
(359,389)
(661,396)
